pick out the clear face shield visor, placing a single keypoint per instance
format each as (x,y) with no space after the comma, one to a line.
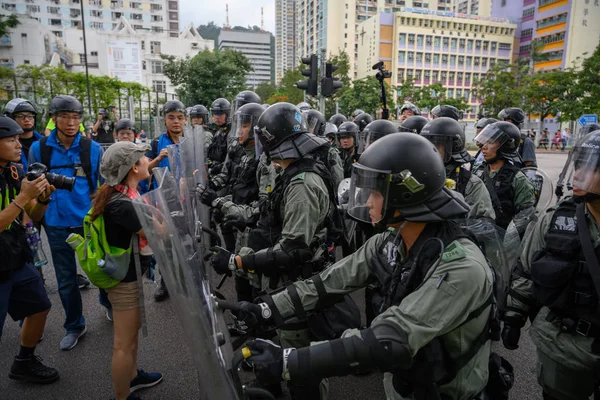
(368,194)
(586,165)
(242,127)
(491,134)
(367,138)
(443,144)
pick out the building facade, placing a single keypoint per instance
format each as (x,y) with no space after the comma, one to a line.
(103,15)
(565,29)
(286,56)
(256,47)
(473,7)
(452,49)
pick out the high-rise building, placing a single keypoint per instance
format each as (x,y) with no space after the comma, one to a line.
(565,29)
(285,37)
(101,15)
(452,49)
(256,47)
(333,24)
(473,7)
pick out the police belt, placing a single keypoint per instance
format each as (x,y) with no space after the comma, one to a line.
(574,325)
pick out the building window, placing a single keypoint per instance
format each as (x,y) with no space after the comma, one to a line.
(446,42)
(10,7)
(444,59)
(493,48)
(173,16)
(157,67)
(411,38)
(528,12)
(159,86)
(484,62)
(154,47)
(436,58)
(173,5)
(467,78)
(436,41)
(157,18)
(55,22)
(419,57)
(402,39)
(525,49)
(555,19)
(137,6)
(144,65)
(504,46)
(51,10)
(452,60)
(97,25)
(143,45)
(33,9)
(137,17)
(96,13)
(25,61)
(557,37)
(546,2)
(94,53)
(57,33)
(428,40)
(527,32)
(427,57)
(461,61)
(462,43)
(174,26)
(155,7)
(82,59)
(23,35)
(420,40)
(469,61)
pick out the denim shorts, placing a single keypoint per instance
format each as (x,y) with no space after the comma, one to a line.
(22,294)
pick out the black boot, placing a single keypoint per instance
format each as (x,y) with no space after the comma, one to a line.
(32,370)
(161,291)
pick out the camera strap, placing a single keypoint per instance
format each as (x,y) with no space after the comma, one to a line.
(85,157)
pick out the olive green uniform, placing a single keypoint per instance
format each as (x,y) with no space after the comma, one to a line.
(478,198)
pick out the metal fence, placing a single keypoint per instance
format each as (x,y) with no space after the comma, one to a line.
(144,110)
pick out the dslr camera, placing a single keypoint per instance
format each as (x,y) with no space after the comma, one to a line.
(58,181)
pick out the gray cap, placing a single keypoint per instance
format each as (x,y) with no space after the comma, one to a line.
(118,160)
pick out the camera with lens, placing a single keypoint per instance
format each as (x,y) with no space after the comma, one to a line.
(58,181)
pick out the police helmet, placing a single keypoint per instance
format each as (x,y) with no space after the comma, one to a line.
(199,111)
(245,97)
(362,120)
(244,118)
(19,105)
(410,106)
(8,127)
(587,129)
(220,106)
(512,114)
(586,160)
(303,106)
(506,134)
(283,132)
(348,129)
(337,119)
(316,122)
(64,103)
(443,110)
(173,106)
(403,173)
(357,112)
(413,124)
(331,131)
(483,122)
(375,131)
(125,124)
(447,134)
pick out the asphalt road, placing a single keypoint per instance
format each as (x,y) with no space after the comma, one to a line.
(85,370)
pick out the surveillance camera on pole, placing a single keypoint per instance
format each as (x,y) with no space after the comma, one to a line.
(310,85)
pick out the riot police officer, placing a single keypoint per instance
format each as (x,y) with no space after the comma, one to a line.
(347,138)
(337,119)
(331,133)
(316,122)
(408,110)
(449,138)
(199,115)
(217,151)
(356,113)
(438,286)
(558,269)
(24,113)
(413,124)
(362,120)
(316,126)
(479,125)
(509,188)
(374,131)
(443,110)
(244,97)
(526,151)
(304,106)
(294,217)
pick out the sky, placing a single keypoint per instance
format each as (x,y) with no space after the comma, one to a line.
(241,12)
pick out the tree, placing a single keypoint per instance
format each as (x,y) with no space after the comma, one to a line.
(287,90)
(8,22)
(502,86)
(210,31)
(365,94)
(208,75)
(265,90)
(343,74)
(589,80)
(407,91)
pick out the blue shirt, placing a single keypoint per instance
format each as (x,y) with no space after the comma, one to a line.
(67,209)
(24,161)
(164,140)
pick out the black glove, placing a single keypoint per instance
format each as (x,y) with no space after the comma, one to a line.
(267,358)
(250,315)
(222,260)
(234,221)
(510,336)
(345,197)
(207,195)
(559,191)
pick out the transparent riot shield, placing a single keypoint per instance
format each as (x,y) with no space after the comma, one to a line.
(516,232)
(165,223)
(490,238)
(544,188)
(342,201)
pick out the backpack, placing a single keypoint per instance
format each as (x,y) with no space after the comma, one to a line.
(103,264)
(85,157)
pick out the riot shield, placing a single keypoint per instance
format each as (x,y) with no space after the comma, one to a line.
(342,201)
(165,223)
(516,231)
(543,186)
(490,238)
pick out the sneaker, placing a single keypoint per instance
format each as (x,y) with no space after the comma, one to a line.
(32,370)
(71,339)
(145,380)
(161,292)
(82,281)
(109,315)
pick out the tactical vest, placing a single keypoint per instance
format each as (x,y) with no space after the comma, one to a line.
(432,365)
(461,178)
(560,274)
(217,151)
(244,188)
(501,193)
(349,160)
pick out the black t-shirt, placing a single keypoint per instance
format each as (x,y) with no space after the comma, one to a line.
(105,131)
(26,143)
(121,223)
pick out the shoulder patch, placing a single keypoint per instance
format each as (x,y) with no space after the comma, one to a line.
(300,177)
(454,251)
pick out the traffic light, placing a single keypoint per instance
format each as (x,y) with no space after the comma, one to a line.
(310,85)
(329,84)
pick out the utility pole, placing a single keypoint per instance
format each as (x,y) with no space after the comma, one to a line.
(87,75)
(323,68)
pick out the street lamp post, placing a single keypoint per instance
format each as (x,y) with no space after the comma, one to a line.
(87,76)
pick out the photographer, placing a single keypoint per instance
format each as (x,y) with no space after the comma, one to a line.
(75,160)
(22,293)
(104,128)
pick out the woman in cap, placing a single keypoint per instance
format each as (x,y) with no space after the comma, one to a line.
(124,165)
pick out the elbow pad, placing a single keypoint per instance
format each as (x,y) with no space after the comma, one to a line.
(383,346)
(269,261)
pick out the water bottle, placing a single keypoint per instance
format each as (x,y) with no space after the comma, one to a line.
(35,244)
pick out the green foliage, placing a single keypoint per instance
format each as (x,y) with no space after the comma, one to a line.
(428,96)
(210,31)
(8,22)
(208,75)
(365,94)
(589,79)
(265,90)
(343,74)
(503,86)
(286,90)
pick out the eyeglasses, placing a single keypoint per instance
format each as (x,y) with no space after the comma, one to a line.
(72,117)
(24,116)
